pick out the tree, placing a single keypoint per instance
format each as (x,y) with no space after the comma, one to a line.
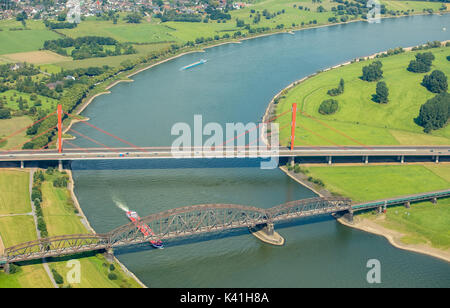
(422,64)
(328,106)
(434,114)
(372,72)
(382,92)
(133,18)
(436,82)
(5,114)
(338,90)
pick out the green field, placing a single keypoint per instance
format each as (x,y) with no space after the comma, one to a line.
(61,219)
(59,212)
(47,102)
(358,117)
(10,126)
(14,192)
(417,6)
(365,183)
(423,222)
(15,230)
(23,40)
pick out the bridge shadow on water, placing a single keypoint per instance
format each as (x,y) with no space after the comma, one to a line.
(220,235)
(171,163)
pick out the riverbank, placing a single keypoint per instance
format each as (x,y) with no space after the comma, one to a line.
(394,237)
(418,242)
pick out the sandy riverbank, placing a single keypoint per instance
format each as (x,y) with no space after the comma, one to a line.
(373,226)
(394,237)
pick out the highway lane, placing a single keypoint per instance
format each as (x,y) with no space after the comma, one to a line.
(230,152)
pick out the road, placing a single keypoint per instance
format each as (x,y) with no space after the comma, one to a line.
(231,152)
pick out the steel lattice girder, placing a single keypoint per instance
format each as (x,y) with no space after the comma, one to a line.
(183,221)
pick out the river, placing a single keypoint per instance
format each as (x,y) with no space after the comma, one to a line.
(235,85)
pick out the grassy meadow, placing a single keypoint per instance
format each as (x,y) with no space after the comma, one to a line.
(62,219)
(14,199)
(423,222)
(358,116)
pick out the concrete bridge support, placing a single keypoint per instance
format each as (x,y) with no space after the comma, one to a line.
(366,159)
(434,200)
(291,161)
(267,234)
(109,255)
(330,160)
(402,159)
(348,216)
(408,205)
(22,164)
(6,268)
(60,165)
(436,159)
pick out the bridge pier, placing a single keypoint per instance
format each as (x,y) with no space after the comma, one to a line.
(6,268)
(402,159)
(330,160)
(434,200)
(408,205)
(379,209)
(366,159)
(60,165)
(291,161)
(267,234)
(109,255)
(436,159)
(22,164)
(348,216)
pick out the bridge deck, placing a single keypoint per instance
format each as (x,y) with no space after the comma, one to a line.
(401,200)
(232,152)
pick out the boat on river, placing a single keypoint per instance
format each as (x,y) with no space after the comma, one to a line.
(202,61)
(144,228)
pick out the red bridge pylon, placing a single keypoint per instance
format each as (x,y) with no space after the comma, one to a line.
(59,112)
(294,116)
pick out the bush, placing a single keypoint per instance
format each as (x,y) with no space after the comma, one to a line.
(337,91)
(5,114)
(328,106)
(112,267)
(436,82)
(58,278)
(13,268)
(60,181)
(112,276)
(36,194)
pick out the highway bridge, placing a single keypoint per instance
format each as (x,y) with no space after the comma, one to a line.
(201,219)
(327,152)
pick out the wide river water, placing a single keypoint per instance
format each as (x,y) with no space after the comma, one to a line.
(235,85)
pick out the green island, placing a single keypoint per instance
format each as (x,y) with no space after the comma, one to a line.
(56,214)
